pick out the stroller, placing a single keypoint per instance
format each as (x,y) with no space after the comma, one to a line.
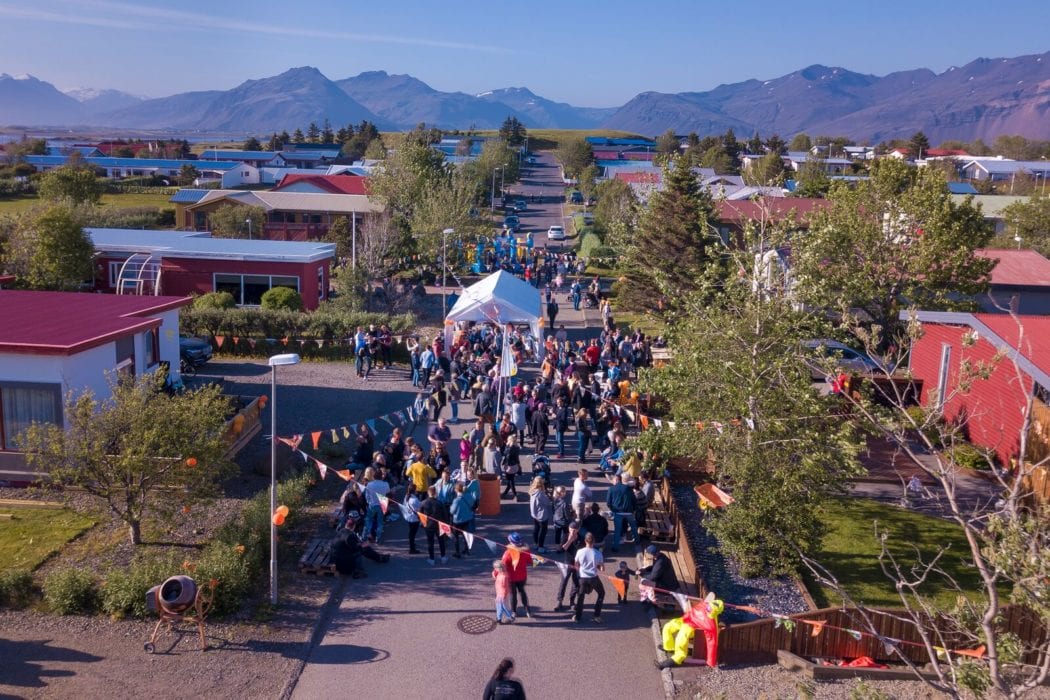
(541,466)
(590,300)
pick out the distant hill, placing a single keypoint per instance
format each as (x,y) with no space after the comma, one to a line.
(982,99)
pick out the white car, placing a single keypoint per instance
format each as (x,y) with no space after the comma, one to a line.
(845,358)
(556,233)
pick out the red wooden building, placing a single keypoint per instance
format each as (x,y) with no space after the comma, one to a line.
(993,409)
(130,261)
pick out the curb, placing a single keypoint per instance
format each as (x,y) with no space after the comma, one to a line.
(323,620)
(670,691)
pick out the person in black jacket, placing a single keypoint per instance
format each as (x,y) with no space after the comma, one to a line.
(435,512)
(563,418)
(348,552)
(660,572)
(596,524)
(501,686)
(540,425)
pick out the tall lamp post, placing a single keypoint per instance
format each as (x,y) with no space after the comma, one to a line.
(444,269)
(492,198)
(249,222)
(275,362)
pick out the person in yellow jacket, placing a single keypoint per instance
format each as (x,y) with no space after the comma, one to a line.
(677,633)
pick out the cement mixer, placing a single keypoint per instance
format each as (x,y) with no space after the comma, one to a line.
(180,599)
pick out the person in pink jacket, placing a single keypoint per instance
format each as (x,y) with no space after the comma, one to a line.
(499,576)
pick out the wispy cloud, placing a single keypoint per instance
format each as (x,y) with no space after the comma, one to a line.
(132,16)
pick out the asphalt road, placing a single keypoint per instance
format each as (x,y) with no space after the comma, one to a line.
(542,180)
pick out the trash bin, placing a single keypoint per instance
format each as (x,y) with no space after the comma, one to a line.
(490,502)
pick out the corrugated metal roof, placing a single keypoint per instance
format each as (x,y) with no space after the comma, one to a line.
(1012,166)
(231,154)
(298,201)
(106,162)
(992,205)
(1025,268)
(200,245)
(187,196)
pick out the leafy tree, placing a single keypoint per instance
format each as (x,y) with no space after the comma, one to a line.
(123,152)
(297,136)
(775,144)
(284,138)
(918,145)
(422,135)
(812,178)
(274,144)
(214,300)
(251,144)
(800,142)
(48,249)
(75,183)
(616,212)
(406,174)
(360,140)
(754,144)
(129,453)
(670,246)
(313,133)
(731,145)
(378,239)
(588,181)
(375,150)
(717,158)
(340,232)
(574,154)
(1031,221)
(776,445)
(895,239)
(464,147)
(231,221)
(768,170)
(667,144)
(188,174)
(1015,147)
(27,147)
(281,299)
(513,131)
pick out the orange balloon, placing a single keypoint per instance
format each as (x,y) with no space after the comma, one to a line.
(185,509)
(634,394)
(240,549)
(191,462)
(263,399)
(282,510)
(278,519)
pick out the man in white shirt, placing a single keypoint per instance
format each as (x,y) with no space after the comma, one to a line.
(590,563)
(375,489)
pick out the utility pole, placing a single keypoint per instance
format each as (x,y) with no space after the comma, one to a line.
(444,270)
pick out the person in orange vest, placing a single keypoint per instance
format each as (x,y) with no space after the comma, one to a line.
(677,633)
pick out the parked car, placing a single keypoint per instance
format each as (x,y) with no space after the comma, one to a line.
(576,197)
(846,358)
(556,233)
(194,351)
(511,222)
(520,204)
(532,160)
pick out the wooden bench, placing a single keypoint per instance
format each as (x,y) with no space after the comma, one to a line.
(661,518)
(317,558)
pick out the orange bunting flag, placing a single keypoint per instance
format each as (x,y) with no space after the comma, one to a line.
(817,627)
(316,437)
(344,474)
(445,529)
(384,504)
(423,519)
(236,339)
(515,555)
(749,608)
(536,560)
(645,421)
(219,340)
(977,653)
(699,425)
(620,585)
(284,340)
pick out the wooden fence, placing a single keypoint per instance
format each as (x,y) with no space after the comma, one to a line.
(760,640)
(243,426)
(1037,481)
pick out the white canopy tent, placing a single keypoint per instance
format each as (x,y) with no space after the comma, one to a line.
(501,297)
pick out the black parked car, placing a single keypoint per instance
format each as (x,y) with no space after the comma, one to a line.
(194,351)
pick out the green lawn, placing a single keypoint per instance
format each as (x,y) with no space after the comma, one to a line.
(115,201)
(17,205)
(34,534)
(851,552)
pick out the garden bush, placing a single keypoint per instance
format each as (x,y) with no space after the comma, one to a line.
(970,456)
(124,590)
(71,592)
(282,299)
(325,324)
(587,243)
(239,578)
(214,300)
(16,588)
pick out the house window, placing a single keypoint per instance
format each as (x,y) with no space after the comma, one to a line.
(150,347)
(320,283)
(22,404)
(247,290)
(942,375)
(114,272)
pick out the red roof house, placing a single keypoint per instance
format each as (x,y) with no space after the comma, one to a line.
(331,184)
(992,410)
(1020,282)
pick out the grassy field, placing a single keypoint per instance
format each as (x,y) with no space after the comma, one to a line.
(114,201)
(34,534)
(851,552)
(550,139)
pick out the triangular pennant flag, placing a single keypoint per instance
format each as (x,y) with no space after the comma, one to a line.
(855,634)
(316,437)
(469,537)
(236,339)
(387,420)
(515,556)
(445,529)
(219,340)
(493,547)
(306,457)
(749,608)
(817,627)
(942,653)
(977,653)
(658,423)
(718,426)
(563,568)
(889,644)
(423,519)
(620,585)
(320,343)
(251,342)
(384,504)
(344,474)
(411,412)
(537,560)
(288,441)
(683,601)
(284,340)
(297,440)
(371,423)
(630,414)
(322,467)
(672,425)
(699,425)
(750,423)
(346,432)
(400,416)
(335,436)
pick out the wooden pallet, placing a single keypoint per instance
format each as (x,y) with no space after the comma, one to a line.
(317,558)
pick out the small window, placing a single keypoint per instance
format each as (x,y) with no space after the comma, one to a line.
(942,377)
(290,282)
(22,404)
(150,347)
(231,284)
(321,288)
(254,287)
(114,272)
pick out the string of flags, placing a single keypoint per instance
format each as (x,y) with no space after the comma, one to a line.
(684,601)
(252,342)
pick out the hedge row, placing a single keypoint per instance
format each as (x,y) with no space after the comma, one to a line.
(266,323)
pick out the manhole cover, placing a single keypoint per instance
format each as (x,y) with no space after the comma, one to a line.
(476,624)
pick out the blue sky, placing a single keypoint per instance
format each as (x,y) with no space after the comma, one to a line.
(586,53)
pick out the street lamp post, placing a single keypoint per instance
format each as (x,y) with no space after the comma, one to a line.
(275,362)
(492,198)
(444,269)
(249,222)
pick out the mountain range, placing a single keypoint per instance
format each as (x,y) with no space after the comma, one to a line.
(983,99)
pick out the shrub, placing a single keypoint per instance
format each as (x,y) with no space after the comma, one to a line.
(970,456)
(124,590)
(934,431)
(71,592)
(16,588)
(214,300)
(604,253)
(282,298)
(237,574)
(587,243)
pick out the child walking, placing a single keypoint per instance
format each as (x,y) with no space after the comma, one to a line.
(499,575)
(624,574)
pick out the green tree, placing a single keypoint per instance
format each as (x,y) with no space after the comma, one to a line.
(755,144)
(775,144)
(769,170)
(616,213)
(327,135)
(188,174)
(284,138)
(27,147)
(717,158)
(896,239)
(574,154)
(297,136)
(667,144)
(776,445)
(281,299)
(48,249)
(251,144)
(75,183)
(918,145)
(360,140)
(800,142)
(340,232)
(231,221)
(127,451)
(513,131)
(812,178)
(214,300)
(1030,220)
(588,181)
(313,133)
(670,246)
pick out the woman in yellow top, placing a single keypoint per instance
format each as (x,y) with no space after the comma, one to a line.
(421,474)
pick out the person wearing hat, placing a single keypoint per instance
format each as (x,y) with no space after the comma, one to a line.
(660,573)
(518,571)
